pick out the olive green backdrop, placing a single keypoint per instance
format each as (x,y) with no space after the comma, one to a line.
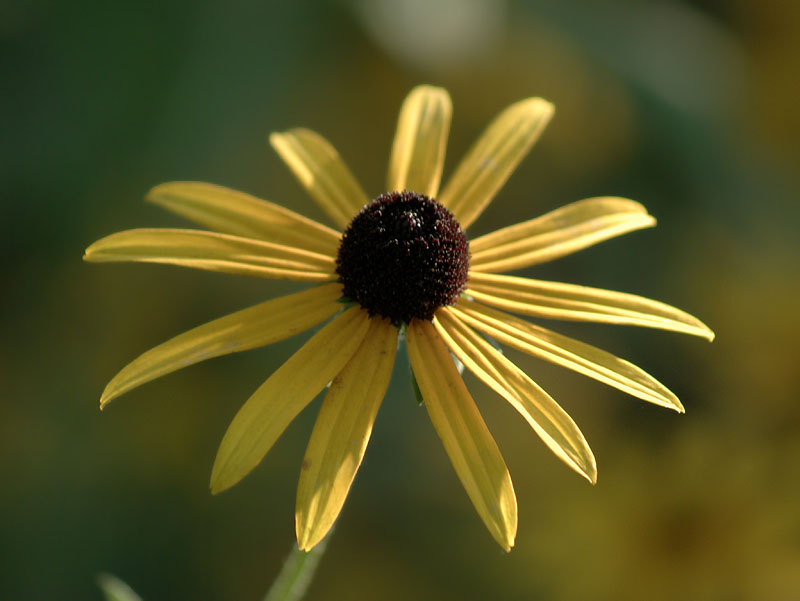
(688,107)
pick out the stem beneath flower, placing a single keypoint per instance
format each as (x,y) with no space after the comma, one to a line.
(297,573)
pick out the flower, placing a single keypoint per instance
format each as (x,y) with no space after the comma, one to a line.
(403,264)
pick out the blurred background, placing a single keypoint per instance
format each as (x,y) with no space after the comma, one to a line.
(688,107)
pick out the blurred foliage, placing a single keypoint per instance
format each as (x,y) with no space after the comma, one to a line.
(688,107)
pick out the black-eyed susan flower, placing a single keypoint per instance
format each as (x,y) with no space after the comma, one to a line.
(402,263)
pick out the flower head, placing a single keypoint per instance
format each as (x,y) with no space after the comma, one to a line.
(402,263)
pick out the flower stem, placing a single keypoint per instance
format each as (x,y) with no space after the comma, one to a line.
(297,573)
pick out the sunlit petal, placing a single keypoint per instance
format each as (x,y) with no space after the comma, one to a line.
(420,141)
(556,300)
(443,289)
(199,249)
(233,212)
(493,158)
(560,232)
(321,171)
(544,415)
(250,328)
(341,433)
(567,352)
(471,448)
(267,413)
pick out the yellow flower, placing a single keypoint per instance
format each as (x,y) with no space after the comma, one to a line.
(403,263)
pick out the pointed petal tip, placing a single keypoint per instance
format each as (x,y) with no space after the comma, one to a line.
(675,405)
(307,537)
(108,396)
(698,328)
(305,543)
(539,109)
(634,206)
(536,102)
(543,104)
(539,106)
(88,253)
(277,140)
(666,399)
(158,193)
(505,539)
(590,472)
(642,220)
(216,486)
(155,192)
(221,479)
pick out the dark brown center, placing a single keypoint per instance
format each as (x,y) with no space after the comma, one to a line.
(403,256)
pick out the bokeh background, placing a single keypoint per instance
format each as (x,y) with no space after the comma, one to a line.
(688,107)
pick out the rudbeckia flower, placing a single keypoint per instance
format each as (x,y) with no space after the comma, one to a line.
(400,263)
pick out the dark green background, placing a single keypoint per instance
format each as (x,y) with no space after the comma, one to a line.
(690,108)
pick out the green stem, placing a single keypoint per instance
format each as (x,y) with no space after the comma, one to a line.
(297,573)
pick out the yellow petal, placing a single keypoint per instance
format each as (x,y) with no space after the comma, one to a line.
(471,448)
(213,252)
(544,415)
(232,212)
(420,141)
(247,329)
(493,158)
(341,433)
(567,352)
(566,230)
(266,414)
(321,171)
(556,300)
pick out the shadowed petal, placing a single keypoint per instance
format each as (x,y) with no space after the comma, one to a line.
(232,212)
(556,300)
(250,328)
(321,171)
(341,433)
(471,448)
(493,158)
(420,141)
(266,414)
(544,415)
(213,252)
(567,352)
(566,230)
